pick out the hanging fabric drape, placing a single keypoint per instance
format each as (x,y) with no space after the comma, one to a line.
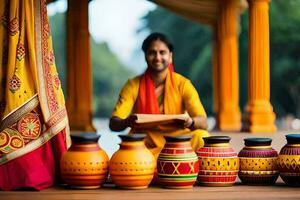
(34,128)
(201,11)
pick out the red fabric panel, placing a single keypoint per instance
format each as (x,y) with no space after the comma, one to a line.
(38,169)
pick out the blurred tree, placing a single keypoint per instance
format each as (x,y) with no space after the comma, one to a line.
(285,60)
(108,78)
(192,55)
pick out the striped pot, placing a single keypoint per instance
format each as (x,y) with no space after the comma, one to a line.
(258,162)
(84,165)
(133,165)
(219,163)
(177,164)
(289,160)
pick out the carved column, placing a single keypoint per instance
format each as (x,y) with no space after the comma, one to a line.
(226,76)
(215,64)
(259,115)
(79,84)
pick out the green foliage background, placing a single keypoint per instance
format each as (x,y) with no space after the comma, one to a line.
(109,74)
(193,49)
(192,57)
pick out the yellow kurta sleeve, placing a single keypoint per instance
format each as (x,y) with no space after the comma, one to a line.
(192,101)
(127,98)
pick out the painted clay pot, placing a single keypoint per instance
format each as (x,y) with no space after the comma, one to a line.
(85,164)
(133,165)
(219,164)
(289,160)
(258,162)
(177,163)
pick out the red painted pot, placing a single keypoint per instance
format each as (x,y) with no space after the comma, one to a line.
(84,165)
(177,164)
(219,163)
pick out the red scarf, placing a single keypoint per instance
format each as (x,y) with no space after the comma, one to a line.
(147,100)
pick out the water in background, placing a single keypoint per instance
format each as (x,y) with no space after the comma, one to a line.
(109,140)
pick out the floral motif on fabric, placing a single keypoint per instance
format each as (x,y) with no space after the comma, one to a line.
(10,141)
(56,81)
(13,26)
(4,139)
(22,132)
(14,84)
(20,51)
(30,126)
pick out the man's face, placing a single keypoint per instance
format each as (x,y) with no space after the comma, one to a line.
(158,56)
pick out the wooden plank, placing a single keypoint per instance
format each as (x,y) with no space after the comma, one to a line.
(279,191)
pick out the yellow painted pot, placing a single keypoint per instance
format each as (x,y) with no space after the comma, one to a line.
(133,165)
(84,165)
(289,160)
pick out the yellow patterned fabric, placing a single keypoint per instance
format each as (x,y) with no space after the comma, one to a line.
(189,102)
(29,80)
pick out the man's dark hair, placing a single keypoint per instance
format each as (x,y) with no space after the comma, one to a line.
(156,36)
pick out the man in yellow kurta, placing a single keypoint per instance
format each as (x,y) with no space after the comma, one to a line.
(160,90)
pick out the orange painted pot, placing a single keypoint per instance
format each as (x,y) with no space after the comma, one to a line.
(133,165)
(85,164)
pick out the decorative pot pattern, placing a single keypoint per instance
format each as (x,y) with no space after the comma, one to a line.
(258,162)
(219,164)
(133,165)
(177,164)
(289,160)
(84,165)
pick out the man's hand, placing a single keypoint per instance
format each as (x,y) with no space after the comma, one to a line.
(199,122)
(118,124)
(189,122)
(130,121)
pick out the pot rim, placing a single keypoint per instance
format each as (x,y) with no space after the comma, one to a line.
(293,138)
(182,138)
(85,137)
(216,139)
(258,141)
(132,137)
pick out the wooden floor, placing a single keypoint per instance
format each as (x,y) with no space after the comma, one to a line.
(277,192)
(238,191)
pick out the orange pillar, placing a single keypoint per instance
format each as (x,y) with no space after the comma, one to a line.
(259,115)
(216,72)
(79,85)
(226,76)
